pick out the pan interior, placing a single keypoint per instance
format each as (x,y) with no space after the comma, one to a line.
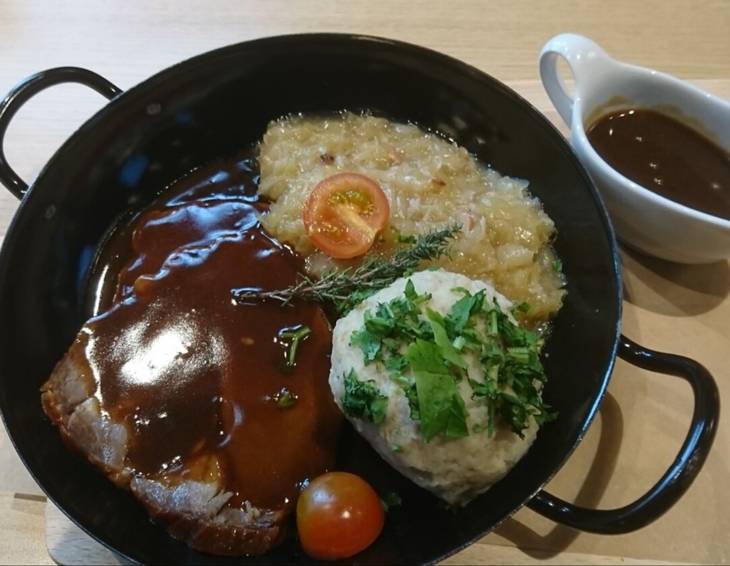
(214,105)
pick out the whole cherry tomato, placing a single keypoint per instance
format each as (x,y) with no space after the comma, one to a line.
(338,515)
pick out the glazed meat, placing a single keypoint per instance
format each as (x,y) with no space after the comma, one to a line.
(68,399)
(183,396)
(194,509)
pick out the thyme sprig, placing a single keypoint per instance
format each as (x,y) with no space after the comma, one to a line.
(345,288)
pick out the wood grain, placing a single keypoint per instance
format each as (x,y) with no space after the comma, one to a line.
(22,535)
(675,308)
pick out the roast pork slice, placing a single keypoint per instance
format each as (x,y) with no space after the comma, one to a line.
(196,510)
(70,384)
(68,399)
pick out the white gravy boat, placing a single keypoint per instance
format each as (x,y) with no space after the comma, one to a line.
(642,219)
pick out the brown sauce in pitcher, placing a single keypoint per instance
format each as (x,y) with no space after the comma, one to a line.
(194,375)
(666,157)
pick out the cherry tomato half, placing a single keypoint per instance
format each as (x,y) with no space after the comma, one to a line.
(338,515)
(344,213)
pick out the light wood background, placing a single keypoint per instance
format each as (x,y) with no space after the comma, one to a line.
(670,307)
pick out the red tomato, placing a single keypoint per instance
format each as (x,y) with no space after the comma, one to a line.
(344,213)
(338,515)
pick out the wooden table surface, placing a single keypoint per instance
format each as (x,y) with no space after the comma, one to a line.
(670,307)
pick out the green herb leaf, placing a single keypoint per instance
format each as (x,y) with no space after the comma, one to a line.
(441,408)
(513,335)
(382,322)
(285,398)
(412,397)
(363,400)
(410,291)
(391,499)
(396,363)
(462,310)
(448,351)
(426,356)
(492,353)
(519,354)
(403,238)
(493,322)
(292,337)
(522,308)
(368,342)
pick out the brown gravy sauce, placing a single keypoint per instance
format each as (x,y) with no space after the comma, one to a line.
(195,377)
(666,157)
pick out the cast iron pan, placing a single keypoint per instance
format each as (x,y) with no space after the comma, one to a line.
(216,104)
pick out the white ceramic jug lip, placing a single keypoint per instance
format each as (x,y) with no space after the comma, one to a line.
(599,79)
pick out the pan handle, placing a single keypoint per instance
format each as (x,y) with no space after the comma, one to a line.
(27,89)
(682,472)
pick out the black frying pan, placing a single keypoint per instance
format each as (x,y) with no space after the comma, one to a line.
(212,106)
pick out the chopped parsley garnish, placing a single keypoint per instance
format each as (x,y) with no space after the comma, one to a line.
(391,499)
(363,400)
(424,352)
(462,309)
(291,338)
(445,346)
(368,341)
(520,308)
(440,406)
(285,398)
(403,238)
